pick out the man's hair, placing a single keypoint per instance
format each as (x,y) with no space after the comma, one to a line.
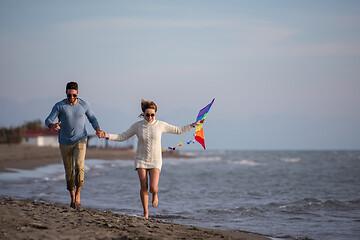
(72,85)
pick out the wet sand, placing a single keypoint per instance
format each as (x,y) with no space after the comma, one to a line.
(25,219)
(22,219)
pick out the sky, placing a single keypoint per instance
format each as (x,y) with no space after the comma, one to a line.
(284,74)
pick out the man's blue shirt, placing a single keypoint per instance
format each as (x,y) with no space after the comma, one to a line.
(72,118)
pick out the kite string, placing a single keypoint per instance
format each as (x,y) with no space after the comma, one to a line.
(181,144)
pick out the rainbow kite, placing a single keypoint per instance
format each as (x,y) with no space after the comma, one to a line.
(199,133)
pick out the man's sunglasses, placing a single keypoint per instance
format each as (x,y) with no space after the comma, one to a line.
(148,115)
(72,95)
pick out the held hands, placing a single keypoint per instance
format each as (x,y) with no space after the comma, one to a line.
(55,126)
(102,134)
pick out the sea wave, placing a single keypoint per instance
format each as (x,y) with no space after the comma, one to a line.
(316,204)
(51,179)
(55,172)
(175,216)
(99,164)
(291,160)
(18,175)
(237,212)
(247,163)
(181,161)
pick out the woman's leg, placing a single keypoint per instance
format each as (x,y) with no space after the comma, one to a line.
(154,181)
(144,190)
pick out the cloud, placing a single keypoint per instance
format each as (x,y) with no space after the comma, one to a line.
(120,23)
(262,39)
(245,37)
(297,50)
(325,49)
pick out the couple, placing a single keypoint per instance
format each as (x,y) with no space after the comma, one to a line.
(71,114)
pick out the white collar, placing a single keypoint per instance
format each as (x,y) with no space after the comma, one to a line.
(150,123)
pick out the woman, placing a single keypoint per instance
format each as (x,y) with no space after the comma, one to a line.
(148,158)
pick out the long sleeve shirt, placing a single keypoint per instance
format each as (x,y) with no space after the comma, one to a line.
(149,152)
(72,117)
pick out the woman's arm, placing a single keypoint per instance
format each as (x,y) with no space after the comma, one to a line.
(179,130)
(120,137)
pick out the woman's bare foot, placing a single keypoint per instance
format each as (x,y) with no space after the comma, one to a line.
(146,216)
(155,200)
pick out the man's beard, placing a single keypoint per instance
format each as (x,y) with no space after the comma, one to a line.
(72,101)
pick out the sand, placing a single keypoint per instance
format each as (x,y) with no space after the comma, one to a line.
(25,219)
(21,219)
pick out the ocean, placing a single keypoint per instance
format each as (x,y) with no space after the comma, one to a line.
(281,194)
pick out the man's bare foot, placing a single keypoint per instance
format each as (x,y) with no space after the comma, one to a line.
(155,200)
(72,195)
(77,198)
(146,216)
(78,205)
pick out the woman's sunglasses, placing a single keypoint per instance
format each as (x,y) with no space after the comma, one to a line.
(148,115)
(72,95)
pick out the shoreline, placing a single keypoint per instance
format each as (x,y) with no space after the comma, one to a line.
(24,219)
(30,157)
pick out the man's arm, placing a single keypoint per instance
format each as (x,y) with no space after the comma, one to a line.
(99,132)
(49,121)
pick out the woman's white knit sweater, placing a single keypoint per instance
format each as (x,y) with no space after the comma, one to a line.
(148,153)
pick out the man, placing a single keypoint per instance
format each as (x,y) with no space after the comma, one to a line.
(71,113)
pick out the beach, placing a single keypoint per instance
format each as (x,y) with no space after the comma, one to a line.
(26,219)
(21,219)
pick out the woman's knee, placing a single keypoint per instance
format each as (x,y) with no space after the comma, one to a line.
(143,187)
(154,189)
(143,191)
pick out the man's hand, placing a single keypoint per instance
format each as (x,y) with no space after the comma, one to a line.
(103,135)
(55,126)
(99,133)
